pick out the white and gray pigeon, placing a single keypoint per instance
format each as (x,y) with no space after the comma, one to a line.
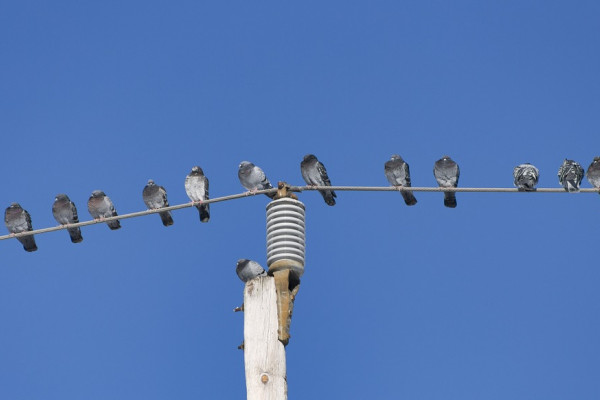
(526,177)
(398,174)
(155,197)
(248,270)
(593,172)
(570,175)
(314,174)
(100,206)
(18,220)
(253,178)
(196,187)
(65,212)
(446,174)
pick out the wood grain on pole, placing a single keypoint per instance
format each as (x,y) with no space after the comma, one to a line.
(264,354)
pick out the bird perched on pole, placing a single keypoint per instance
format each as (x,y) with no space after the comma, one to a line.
(593,172)
(65,212)
(247,270)
(314,174)
(570,175)
(18,220)
(446,174)
(253,178)
(196,187)
(526,177)
(398,174)
(100,207)
(155,197)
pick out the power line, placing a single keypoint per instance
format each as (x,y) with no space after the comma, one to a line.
(294,189)
(434,189)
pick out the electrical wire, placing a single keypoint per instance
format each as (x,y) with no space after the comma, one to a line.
(293,189)
(434,189)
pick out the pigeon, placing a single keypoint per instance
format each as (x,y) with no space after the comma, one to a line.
(315,174)
(248,270)
(18,220)
(526,177)
(593,173)
(100,206)
(570,175)
(196,187)
(446,174)
(156,197)
(65,212)
(398,174)
(253,178)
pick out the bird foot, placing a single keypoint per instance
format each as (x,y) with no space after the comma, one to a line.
(241,346)
(12,234)
(238,309)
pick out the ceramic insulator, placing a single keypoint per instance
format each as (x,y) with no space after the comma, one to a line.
(285,235)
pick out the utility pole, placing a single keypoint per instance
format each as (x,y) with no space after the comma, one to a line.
(264,354)
(269,300)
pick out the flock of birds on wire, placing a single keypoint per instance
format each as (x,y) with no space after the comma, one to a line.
(445,170)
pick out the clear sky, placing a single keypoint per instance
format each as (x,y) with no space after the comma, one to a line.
(496,299)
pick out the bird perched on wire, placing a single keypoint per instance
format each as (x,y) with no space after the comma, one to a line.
(570,175)
(100,207)
(247,269)
(18,220)
(526,177)
(398,174)
(155,197)
(65,212)
(196,187)
(593,172)
(314,174)
(253,178)
(446,174)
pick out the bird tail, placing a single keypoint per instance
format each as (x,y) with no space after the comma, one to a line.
(450,199)
(204,210)
(166,218)
(267,185)
(113,225)
(75,234)
(28,243)
(329,197)
(572,186)
(409,198)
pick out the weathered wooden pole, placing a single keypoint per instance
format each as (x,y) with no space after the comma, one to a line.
(264,354)
(269,300)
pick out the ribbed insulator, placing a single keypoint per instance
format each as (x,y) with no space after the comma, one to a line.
(285,235)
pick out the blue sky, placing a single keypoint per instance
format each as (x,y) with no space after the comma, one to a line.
(495,299)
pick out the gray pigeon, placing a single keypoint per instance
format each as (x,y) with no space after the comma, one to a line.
(18,220)
(526,177)
(100,206)
(570,175)
(155,197)
(64,213)
(253,178)
(315,174)
(248,270)
(446,174)
(196,187)
(398,174)
(593,172)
